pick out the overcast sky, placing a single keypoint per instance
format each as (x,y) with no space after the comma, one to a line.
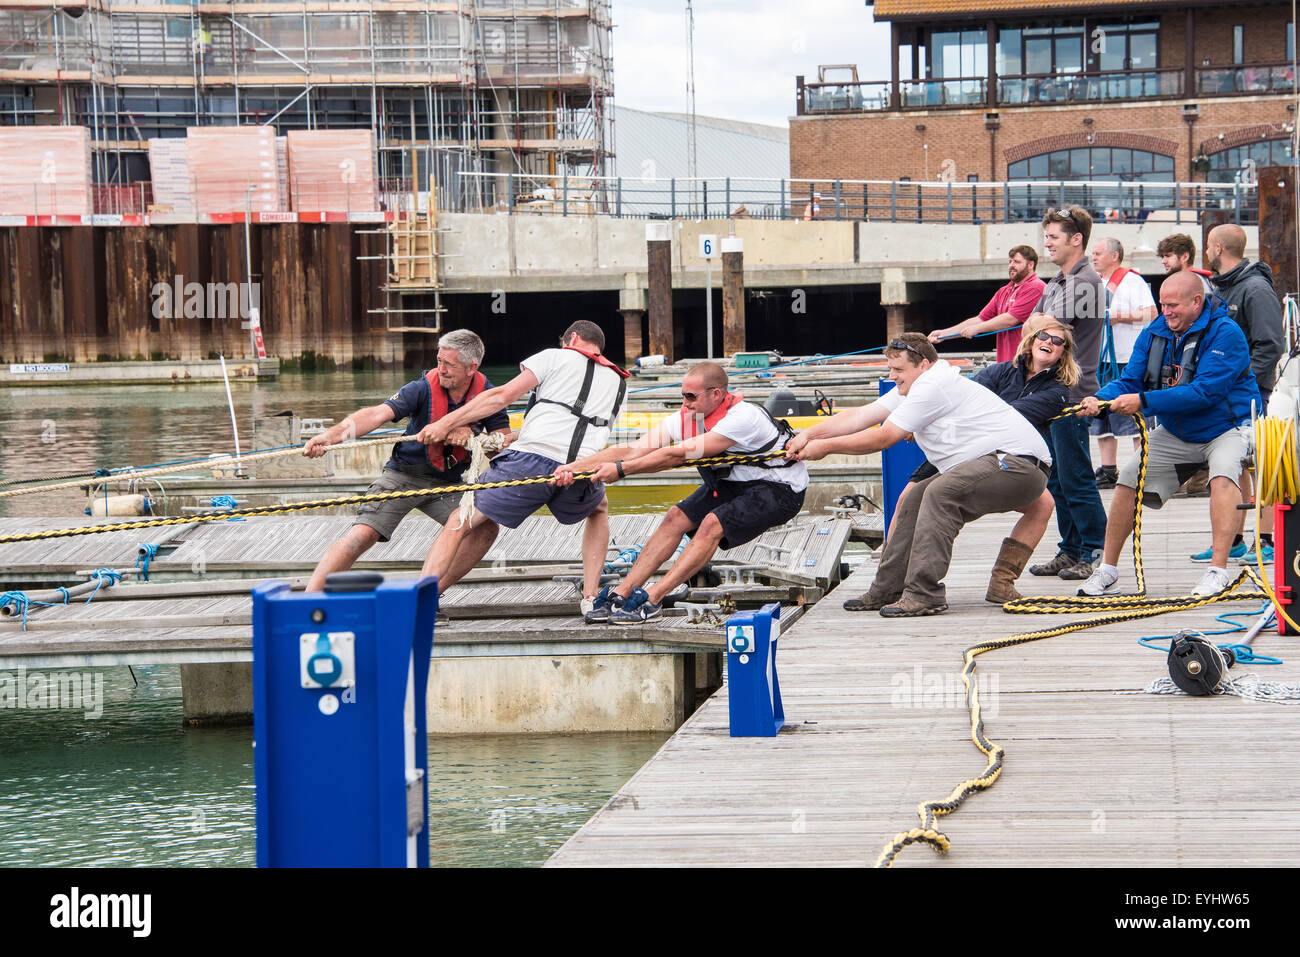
(747,53)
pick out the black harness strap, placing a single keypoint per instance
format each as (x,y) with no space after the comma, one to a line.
(585,421)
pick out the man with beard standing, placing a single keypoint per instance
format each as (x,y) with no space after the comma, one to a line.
(1010,306)
(1247,289)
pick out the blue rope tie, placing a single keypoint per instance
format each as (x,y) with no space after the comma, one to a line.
(149,551)
(627,555)
(226,501)
(19,600)
(103,575)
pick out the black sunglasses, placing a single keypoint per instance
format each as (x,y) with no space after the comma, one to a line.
(692,396)
(900,344)
(1059,215)
(1046,336)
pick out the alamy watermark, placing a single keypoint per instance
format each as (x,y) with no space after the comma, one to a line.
(211,300)
(37,690)
(927,690)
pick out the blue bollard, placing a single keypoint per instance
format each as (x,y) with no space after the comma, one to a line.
(753,692)
(897,463)
(339,727)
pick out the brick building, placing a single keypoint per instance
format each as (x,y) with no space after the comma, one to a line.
(1141,91)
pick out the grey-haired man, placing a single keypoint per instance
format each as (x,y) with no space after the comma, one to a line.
(413,465)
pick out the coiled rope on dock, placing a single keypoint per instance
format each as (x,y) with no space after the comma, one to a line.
(1124,608)
(734,459)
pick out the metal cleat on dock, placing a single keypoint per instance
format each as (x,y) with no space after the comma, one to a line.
(778,551)
(739,574)
(700,613)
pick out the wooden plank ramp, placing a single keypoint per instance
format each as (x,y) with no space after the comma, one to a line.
(877,723)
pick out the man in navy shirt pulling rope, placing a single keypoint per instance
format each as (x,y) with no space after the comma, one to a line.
(427,399)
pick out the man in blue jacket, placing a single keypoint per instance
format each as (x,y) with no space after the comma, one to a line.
(1191,368)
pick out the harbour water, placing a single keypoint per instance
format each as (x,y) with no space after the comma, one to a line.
(131,787)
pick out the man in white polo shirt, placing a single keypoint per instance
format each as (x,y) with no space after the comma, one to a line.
(990,459)
(734,505)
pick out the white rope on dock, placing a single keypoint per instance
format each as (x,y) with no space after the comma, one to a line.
(1249,686)
(480,447)
(215,461)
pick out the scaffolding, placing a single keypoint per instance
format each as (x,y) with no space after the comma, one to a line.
(480,86)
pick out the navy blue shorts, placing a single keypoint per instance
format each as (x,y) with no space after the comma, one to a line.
(510,506)
(745,510)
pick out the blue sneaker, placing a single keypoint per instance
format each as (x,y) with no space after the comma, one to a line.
(636,609)
(1249,557)
(602,606)
(1236,552)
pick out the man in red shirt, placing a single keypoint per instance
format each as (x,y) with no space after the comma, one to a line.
(1009,307)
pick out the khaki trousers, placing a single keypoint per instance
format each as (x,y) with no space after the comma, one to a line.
(919,550)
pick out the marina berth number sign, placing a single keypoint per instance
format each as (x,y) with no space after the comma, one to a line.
(708,246)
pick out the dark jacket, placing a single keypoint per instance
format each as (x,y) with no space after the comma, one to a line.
(1218,397)
(1247,288)
(1038,398)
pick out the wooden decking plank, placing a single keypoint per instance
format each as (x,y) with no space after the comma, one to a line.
(1091,776)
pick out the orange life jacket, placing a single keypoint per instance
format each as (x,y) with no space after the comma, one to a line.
(442,457)
(691,423)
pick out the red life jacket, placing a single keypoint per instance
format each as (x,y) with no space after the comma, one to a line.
(578,408)
(600,360)
(1117,277)
(439,401)
(691,423)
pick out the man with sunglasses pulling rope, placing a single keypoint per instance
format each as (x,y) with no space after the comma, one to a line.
(1190,368)
(734,506)
(990,459)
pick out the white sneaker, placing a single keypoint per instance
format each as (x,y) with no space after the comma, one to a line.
(586,605)
(1102,581)
(1211,583)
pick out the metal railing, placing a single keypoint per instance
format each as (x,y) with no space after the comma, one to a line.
(1029,89)
(1244,80)
(869,200)
(1089,87)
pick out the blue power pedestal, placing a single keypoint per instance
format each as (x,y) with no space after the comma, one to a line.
(897,463)
(753,692)
(339,727)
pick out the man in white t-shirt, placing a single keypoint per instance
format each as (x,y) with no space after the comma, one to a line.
(734,506)
(578,395)
(1130,307)
(990,459)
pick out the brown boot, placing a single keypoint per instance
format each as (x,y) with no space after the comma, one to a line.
(1011,562)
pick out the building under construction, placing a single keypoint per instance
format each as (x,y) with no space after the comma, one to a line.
(446,86)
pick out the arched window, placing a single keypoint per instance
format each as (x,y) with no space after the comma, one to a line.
(1228,165)
(1096,163)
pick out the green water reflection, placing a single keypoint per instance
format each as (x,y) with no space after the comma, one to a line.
(132,788)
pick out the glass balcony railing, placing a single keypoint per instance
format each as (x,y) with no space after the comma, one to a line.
(1256,78)
(874,95)
(959,91)
(1089,87)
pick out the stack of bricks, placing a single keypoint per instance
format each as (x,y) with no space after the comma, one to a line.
(45,171)
(170,176)
(333,171)
(233,169)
